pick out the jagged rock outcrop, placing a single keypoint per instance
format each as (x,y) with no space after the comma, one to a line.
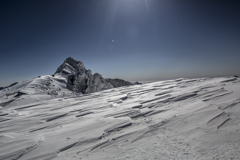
(118,82)
(79,79)
(136,83)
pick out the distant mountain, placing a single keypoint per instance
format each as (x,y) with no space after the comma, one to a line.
(1,88)
(81,80)
(118,82)
(136,83)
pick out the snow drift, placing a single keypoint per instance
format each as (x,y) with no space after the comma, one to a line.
(174,119)
(62,116)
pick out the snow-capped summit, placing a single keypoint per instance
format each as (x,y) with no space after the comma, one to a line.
(71,65)
(81,80)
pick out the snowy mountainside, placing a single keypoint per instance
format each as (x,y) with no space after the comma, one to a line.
(175,119)
(35,89)
(70,79)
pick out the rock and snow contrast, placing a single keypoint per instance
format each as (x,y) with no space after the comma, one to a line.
(73,114)
(174,119)
(118,82)
(71,78)
(80,80)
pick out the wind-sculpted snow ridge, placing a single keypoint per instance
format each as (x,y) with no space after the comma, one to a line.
(175,119)
(82,81)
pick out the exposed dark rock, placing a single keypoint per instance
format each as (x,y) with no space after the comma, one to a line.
(118,82)
(13,84)
(136,83)
(79,79)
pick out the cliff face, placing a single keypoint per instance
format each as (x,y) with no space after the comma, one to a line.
(79,79)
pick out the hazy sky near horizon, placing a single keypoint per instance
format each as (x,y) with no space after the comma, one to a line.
(135,40)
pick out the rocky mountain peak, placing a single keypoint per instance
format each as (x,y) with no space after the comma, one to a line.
(79,79)
(74,63)
(71,65)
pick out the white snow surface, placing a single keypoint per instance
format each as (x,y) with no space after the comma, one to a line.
(182,119)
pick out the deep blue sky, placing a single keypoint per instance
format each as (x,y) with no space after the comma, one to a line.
(153,39)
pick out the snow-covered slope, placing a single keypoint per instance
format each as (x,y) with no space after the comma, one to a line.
(175,119)
(35,89)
